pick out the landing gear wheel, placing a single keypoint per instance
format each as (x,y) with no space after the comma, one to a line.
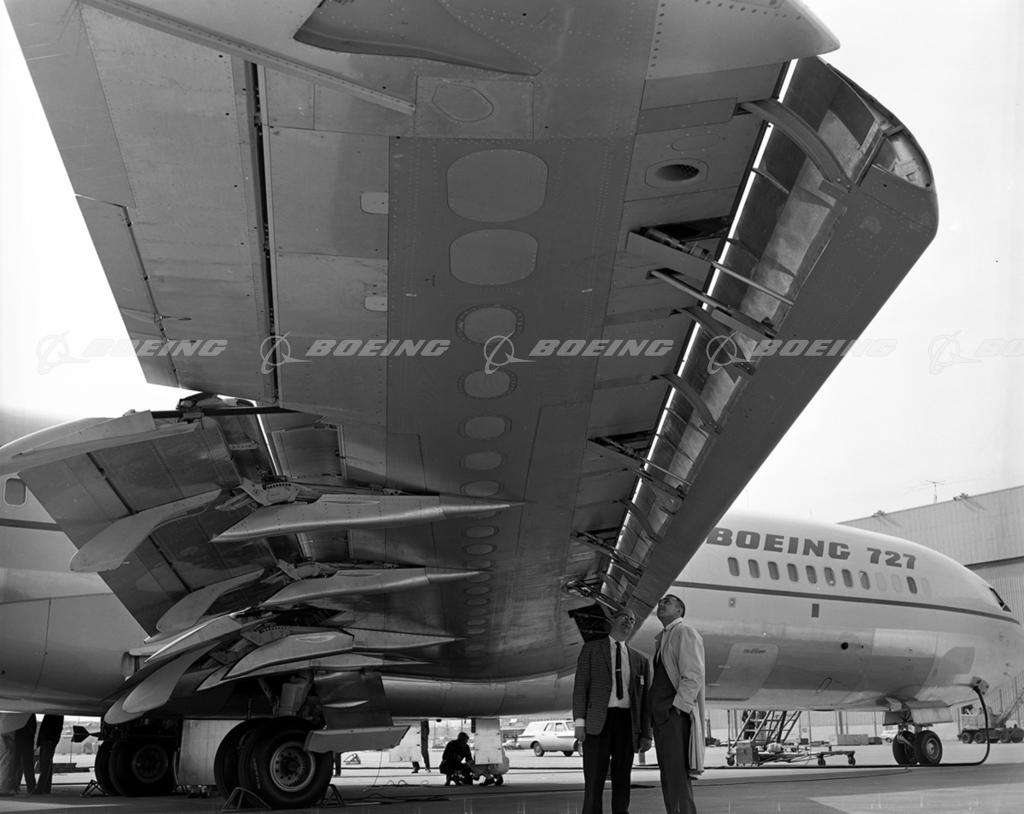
(142,767)
(225,763)
(538,750)
(101,768)
(903,748)
(928,748)
(275,765)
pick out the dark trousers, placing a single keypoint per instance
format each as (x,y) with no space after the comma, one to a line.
(615,743)
(43,782)
(425,743)
(672,740)
(24,755)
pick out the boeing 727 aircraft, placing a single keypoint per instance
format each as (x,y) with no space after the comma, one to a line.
(493,307)
(794,614)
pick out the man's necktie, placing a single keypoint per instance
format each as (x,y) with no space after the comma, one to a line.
(618,670)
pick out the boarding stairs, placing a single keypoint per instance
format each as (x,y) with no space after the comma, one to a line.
(761,735)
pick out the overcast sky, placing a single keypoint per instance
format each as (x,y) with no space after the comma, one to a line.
(881,429)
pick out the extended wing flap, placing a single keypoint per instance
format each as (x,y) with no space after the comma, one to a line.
(292,648)
(107,550)
(83,437)
(143,498)
(187,611)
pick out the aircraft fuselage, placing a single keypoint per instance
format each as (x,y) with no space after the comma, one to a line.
(794,614)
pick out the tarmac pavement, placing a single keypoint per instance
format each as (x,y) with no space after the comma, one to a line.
(554,785)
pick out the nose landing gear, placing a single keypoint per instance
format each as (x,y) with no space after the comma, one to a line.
(928,748)
(921,748)
(903,750)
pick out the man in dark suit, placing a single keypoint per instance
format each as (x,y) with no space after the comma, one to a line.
(47,739)
(25,752)
(609,705)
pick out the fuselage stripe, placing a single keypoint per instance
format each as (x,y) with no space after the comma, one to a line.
(841,598)
(30,524)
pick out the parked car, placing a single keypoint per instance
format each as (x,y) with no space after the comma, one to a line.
(549,736)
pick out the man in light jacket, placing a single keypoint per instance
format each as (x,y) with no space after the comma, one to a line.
(677,705)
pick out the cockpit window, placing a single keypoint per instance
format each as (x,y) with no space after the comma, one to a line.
(999,599)
(14,492)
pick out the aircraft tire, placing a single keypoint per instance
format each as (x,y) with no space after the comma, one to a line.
(275,765)
(142,767)
(101,768)
(225,762)
(903,748)
(928,748)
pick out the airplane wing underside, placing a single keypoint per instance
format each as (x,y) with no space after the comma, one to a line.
(390,244)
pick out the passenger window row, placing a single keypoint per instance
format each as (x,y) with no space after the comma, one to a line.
(830,577)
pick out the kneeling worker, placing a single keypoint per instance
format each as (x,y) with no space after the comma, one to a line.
(457,762)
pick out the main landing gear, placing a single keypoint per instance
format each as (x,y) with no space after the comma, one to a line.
(923,748)
(267,757)
(139,764)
